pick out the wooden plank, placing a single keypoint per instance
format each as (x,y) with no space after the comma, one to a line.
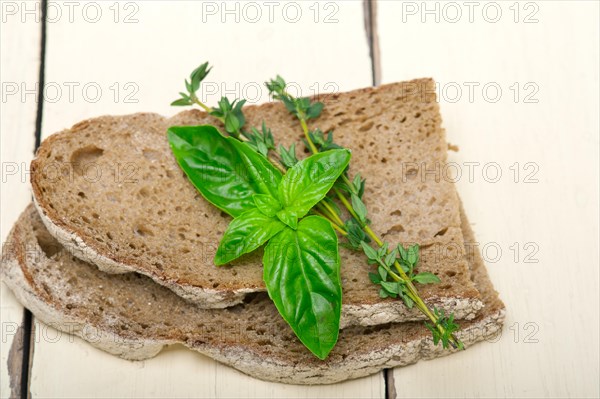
(549,208)
(177,372)
(20,50)
(147,60)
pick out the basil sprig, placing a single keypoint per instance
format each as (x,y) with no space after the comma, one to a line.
(301,260)
(396,268)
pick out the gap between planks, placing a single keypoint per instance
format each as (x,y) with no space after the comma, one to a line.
(27,341)
(370,15)
(370,20)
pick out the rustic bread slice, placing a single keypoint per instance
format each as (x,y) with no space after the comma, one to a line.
(130,316)
(111,192)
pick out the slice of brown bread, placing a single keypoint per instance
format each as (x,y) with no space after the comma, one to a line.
(130,316)
(111,192)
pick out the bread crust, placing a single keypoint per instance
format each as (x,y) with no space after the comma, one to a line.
(400,344)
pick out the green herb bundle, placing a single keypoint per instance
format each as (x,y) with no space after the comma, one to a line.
(293,207)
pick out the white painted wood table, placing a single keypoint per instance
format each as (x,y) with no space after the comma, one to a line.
(519,93)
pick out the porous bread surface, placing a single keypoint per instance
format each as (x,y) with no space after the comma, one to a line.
(130,316)
(111,192)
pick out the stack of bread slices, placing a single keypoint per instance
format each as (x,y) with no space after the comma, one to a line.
(117,240)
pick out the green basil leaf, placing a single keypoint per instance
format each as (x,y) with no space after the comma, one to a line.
(266,204)
(260,171)
(302,275)
(426,278)
(307,182)
(288,218)
(246,233)
(227,173)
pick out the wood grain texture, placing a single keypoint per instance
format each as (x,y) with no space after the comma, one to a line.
(549,347)
(20,50)
(160,50)
(176,372)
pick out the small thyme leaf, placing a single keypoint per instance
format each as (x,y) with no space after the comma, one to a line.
(382,273)
(192,85)
(375,279)
(369,251)
(198,76)
(359,185)
(314,110)
(231,114)
(288,157)
(359,208)
(391,258)
(413,254)
(261,140)
(182,102)
(402,251)
(426,278)
(449,327)
(276,85)
(382,251)
(391,287)
(407,300)
(356,234)
(322,142)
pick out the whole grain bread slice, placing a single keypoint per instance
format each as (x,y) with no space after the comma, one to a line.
(111,192)
(131,317)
